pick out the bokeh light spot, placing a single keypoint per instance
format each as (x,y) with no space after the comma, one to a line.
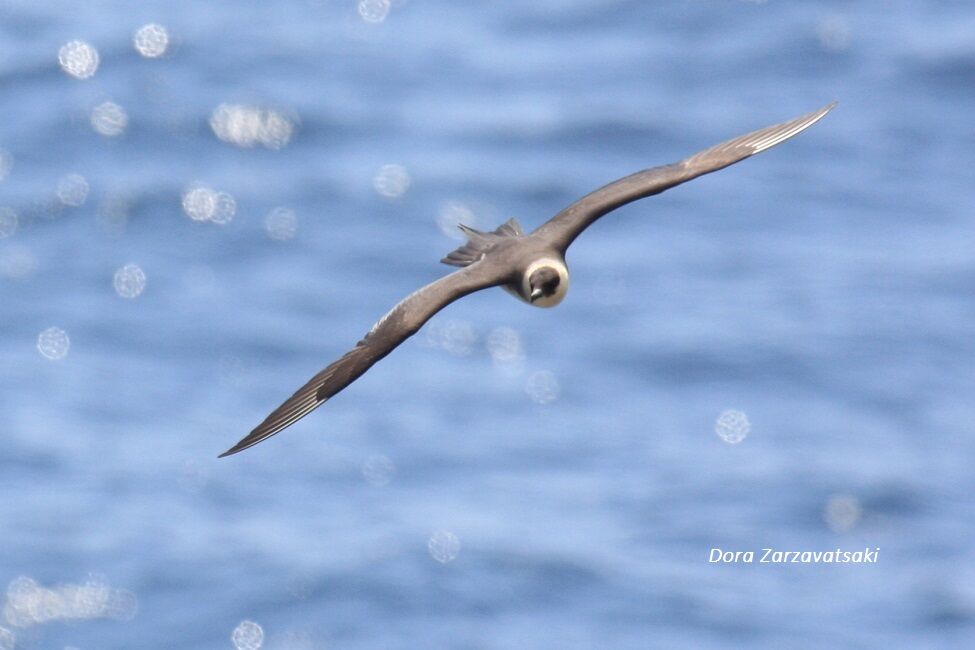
(224,209)
(129,281)
(201,203)
(248,636)
(53,343)
(391,181)
(443,546)
(28,603)
(109,119)
(79,59)
(542,387)
(247,126)
(457,337)
(451,215)
(281,224)
(504,346)
(122,605)
(373,11)
(151,40)
(72,190)
(732,426)
(842,512)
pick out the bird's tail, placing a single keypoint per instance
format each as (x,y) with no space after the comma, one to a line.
(479,242)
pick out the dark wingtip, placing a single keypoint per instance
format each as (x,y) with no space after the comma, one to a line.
(240,446)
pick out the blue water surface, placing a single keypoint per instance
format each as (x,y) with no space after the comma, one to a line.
(510,477)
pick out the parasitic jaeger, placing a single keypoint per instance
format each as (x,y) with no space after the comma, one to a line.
(531,267)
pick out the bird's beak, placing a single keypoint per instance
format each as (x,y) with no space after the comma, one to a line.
(536,294)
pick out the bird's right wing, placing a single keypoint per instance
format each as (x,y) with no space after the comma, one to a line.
(399,324)
(564,227)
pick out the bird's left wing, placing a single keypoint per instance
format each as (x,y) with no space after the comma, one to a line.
(399,324)
(564,227)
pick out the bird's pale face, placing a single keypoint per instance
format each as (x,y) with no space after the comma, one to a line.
(545,283)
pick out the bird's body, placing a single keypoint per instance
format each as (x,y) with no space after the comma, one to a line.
(530,266)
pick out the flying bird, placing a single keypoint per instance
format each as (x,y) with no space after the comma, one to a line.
(530,266)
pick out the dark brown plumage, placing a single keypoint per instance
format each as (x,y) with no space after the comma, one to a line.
(399,324)
(529,266)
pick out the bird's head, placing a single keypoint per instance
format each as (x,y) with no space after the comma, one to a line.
(547,282)
(543,282)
